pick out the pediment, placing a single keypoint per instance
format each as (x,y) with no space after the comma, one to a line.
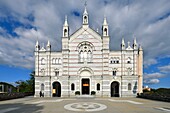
(85,33)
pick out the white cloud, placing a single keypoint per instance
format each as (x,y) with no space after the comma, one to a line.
(19,51)
(153,75)
(165,69)
(150,61)
(141,18)
(152,78)
(151,81)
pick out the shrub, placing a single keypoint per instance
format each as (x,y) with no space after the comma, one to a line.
(93,93)
(77,93)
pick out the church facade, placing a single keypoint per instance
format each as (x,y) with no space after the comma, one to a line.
(86,65)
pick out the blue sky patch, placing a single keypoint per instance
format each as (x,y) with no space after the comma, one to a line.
(76,13)
(10,24)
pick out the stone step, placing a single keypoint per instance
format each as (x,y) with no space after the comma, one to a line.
(85,96)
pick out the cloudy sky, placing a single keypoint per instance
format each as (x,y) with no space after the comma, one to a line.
(22,22)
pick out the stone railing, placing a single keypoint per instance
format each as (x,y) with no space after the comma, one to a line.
(7,96)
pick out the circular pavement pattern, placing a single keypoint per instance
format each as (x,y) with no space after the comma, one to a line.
(85,106)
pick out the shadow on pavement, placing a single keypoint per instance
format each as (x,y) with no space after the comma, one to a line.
(21,108)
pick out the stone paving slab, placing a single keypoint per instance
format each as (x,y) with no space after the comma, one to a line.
(80,105)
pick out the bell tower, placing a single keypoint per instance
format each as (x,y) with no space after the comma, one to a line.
(85,16)
(65,28)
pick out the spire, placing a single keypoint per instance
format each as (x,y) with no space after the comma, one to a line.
(134,41)
(123,41)
(65,23)
(48,47)
(37,43)
(105,28)
(37,46)
(135,45)
(105,21)
(85,9)
(65,28)
(85,15)
(48,43)
(123,44)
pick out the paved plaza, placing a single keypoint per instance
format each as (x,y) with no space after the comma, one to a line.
(83,104)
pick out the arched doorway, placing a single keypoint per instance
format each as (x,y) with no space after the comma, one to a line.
(114,89)
(56,89)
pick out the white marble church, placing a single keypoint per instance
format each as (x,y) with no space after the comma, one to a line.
(87,65)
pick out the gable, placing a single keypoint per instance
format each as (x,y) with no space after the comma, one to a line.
(85,33)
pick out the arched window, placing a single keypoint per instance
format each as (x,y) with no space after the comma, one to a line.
(56,60)
(98,87)
(129,86)
(85,52)
(85,19)
(129,60)
(53,61)
(111,60)
(114,60)
(105,31)
(72,87)
(42,87)
(114,73)
(59,60)
(43,61)
(65,32)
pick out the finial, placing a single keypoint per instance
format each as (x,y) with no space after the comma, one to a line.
(85,4)
(128,44)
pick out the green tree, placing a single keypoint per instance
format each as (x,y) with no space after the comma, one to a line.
(26,86)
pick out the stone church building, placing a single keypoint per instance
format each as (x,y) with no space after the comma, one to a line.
(87,65)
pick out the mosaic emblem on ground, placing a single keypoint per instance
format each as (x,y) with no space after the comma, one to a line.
(85,106)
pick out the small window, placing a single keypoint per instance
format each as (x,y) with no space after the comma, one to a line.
(72,87)
(57,73)
(114,73)
(129,86)
(117,61)
(111,61)
(98,87)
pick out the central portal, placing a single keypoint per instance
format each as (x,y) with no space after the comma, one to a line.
(85,86)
